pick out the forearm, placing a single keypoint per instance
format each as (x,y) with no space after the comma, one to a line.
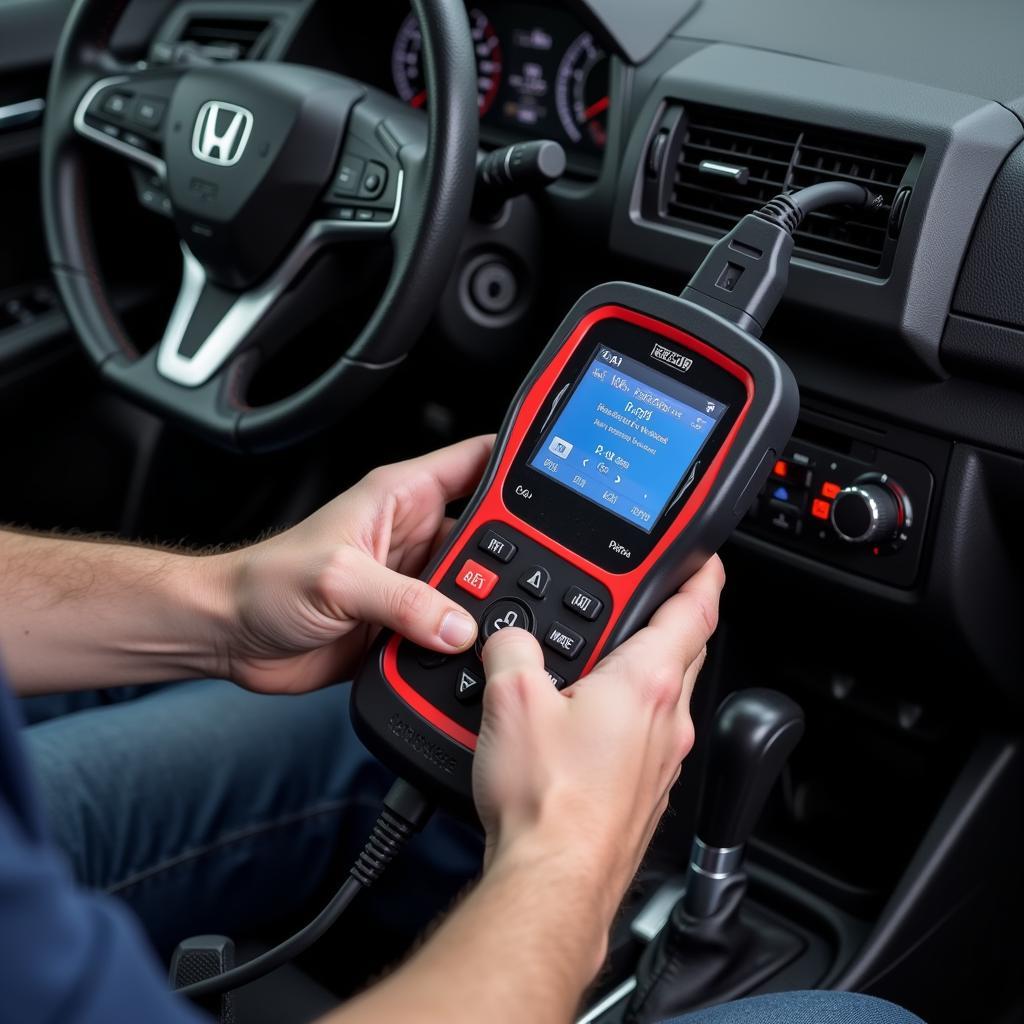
(79,613)
(523,946)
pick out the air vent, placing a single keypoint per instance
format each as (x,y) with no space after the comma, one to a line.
(228,38)
(771,155)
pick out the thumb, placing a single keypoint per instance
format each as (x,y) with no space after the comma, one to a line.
(514,667)
(410,607)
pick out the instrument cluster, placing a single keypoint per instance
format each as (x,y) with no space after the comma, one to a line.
(540,74)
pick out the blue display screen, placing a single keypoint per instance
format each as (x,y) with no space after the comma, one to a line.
(624,442)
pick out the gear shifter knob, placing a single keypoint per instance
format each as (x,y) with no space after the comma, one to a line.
(754,733)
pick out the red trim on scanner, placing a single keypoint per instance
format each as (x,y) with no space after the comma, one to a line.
(492,507)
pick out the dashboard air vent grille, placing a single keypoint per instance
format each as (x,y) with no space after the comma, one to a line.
(778,155)
(228,38)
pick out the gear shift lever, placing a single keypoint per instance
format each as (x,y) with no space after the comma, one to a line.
(711,948)
(753,735)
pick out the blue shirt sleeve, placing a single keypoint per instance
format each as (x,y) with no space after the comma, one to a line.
(66,955)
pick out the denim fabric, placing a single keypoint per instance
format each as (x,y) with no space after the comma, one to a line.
(803,1008)
(210,809)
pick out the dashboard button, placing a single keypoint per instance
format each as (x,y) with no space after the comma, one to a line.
(535,580)
(476,579)
(564,640)
(506,614)
(784,518)
(497,547)
(469,686)
(585,605)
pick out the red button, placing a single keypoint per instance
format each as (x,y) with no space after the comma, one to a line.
(780,468)
(476,579)
(829,489)
(820,509)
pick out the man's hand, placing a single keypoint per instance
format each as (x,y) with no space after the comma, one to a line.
(587,772)
(570,787)
(309,600)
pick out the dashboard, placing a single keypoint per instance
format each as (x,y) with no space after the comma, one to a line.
(541,73)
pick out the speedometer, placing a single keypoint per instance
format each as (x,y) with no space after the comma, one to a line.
(407,61)
(582,92)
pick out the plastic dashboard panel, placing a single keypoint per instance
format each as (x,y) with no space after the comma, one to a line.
(965,140)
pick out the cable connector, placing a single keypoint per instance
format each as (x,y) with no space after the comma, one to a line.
(405,812)
(745,274)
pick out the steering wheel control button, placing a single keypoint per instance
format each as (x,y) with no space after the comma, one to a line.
(476,579)
(506,614)
(116,104)
(559,681)
(350,174)
(563,640)
(585,605)
(148,112)
(535,581)
(469,686)
(374,180)
(497,547)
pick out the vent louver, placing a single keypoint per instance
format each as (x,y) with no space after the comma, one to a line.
(780,155)
(228,38)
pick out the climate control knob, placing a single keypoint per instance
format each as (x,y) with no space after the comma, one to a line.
(866,513)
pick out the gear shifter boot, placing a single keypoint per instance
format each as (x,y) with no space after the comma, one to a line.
(697,961)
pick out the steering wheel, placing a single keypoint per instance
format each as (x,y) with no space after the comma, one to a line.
(261,166)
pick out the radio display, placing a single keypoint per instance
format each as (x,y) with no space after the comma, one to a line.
(628,436)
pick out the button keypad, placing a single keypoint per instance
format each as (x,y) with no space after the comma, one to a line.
(584,604)
(563,640)
(518,582)
(505,614)
(497,547)
(469,686)
(535,581)
(476,579)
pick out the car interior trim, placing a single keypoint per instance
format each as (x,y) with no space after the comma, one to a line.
(22,115)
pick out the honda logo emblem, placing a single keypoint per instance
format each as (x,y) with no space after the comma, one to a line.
(221,132)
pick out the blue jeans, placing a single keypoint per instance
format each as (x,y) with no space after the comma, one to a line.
(803,1008)
(210,809)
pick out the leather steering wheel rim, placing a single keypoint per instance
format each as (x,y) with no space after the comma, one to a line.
(435,216)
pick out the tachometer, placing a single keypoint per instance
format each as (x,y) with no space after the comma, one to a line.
(581,92)
(407,61)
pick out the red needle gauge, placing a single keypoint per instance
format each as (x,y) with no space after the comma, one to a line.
(419,99)
(595,108)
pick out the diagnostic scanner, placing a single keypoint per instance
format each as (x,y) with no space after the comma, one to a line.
(634,447)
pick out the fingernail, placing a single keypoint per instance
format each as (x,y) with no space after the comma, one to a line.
(457,629)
